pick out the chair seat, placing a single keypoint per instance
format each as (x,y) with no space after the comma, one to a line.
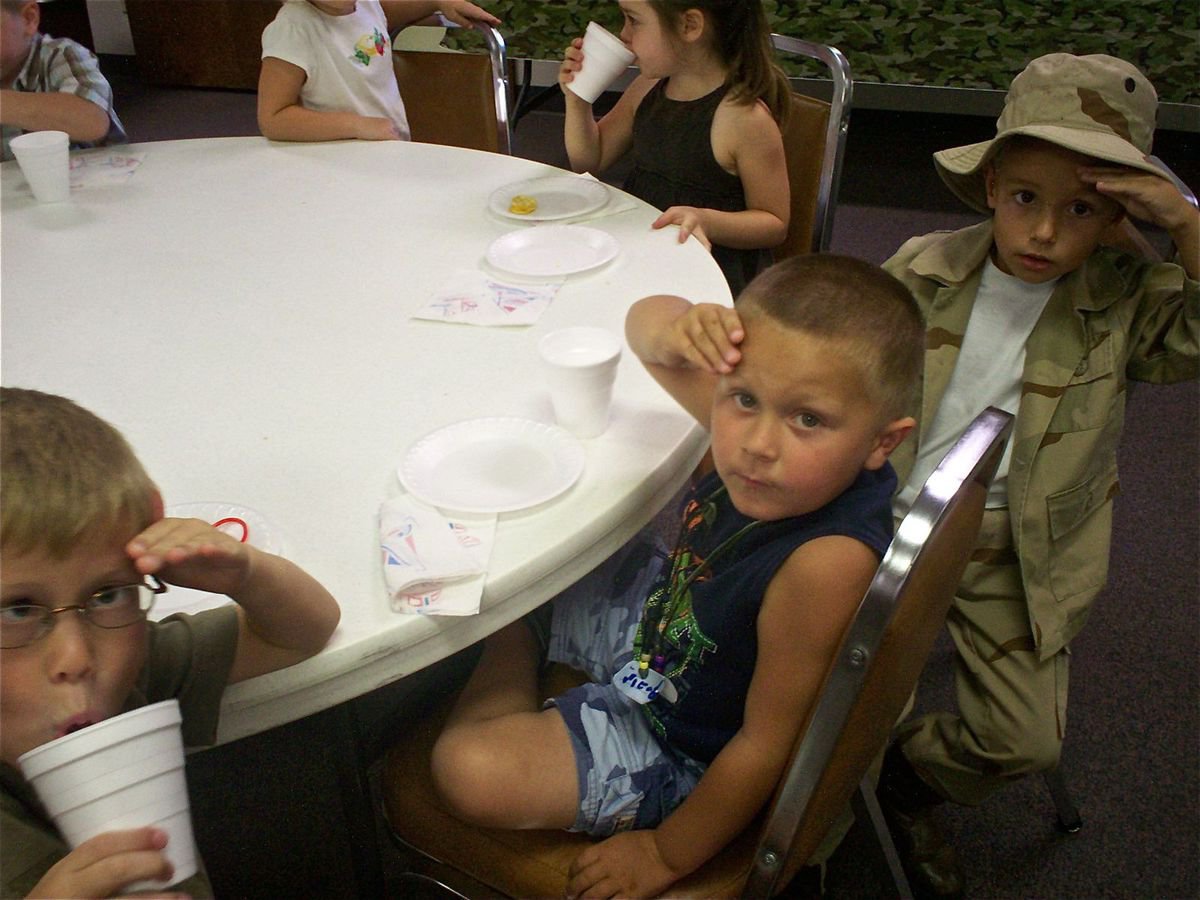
(516,863)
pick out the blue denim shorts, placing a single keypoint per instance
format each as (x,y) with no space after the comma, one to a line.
(627,779)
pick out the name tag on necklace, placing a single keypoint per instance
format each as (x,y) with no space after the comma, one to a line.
(642,687)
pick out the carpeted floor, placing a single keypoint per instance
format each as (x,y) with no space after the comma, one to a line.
(285,813)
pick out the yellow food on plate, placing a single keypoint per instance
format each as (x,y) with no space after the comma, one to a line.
(522,205)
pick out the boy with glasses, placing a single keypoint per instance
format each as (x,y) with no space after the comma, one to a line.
(83,546)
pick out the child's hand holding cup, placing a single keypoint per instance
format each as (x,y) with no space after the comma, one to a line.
(605,57)
(123,772)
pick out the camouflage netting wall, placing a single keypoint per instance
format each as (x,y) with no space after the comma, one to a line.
(955,43)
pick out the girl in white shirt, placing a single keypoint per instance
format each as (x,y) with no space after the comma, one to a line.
(327,67)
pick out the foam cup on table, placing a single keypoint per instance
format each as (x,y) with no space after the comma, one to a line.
(581,365)
(45,162)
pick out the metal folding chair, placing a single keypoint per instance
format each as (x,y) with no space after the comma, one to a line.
(458,99)
(814,141)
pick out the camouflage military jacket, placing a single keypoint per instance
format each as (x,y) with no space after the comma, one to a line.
(1115,318)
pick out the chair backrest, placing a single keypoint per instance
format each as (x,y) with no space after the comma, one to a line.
(458,99)
(814,124)
(882,653)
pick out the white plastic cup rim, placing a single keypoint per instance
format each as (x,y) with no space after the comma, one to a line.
(98,763)
(604,58)
(35,143)
(62,750)
(608,41)
(104,760)
(581,348)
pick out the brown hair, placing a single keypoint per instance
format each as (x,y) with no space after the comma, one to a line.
(63,473)
(743,43)
(12,6)
(844,299)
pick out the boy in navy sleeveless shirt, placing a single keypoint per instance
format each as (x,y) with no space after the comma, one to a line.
(705,660)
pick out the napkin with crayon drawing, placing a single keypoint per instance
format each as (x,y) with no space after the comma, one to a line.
(472,298)
(433,565)
(100,167)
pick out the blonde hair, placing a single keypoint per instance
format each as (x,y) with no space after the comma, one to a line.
(63,473)
(844,299)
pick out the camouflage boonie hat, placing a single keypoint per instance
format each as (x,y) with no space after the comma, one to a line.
(1096,105)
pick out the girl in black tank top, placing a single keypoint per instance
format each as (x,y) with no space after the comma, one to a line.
(689,99)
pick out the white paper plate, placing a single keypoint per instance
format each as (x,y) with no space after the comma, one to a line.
(558,197)
(239,522)
(492,465)
(551,250)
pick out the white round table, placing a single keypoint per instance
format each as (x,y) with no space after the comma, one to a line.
(240,310)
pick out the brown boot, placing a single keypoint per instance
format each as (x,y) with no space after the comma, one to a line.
(908,805)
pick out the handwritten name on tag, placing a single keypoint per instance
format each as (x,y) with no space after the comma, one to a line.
(642,687)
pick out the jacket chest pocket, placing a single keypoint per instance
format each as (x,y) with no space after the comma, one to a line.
(1095,393)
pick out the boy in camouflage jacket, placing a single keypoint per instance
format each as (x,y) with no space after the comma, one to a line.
(1029,311)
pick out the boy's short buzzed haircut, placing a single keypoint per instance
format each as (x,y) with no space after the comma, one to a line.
(849,300)
(64,472)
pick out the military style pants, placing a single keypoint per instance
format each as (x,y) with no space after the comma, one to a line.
(1011,705)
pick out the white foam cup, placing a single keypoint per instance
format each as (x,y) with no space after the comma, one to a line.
(124,772)
(45,162)
(604,58)
(581,365)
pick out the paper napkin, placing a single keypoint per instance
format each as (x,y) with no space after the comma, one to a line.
(433,565)
(473,298)
(103,167)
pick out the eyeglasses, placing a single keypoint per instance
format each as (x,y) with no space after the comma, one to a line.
(115,607)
